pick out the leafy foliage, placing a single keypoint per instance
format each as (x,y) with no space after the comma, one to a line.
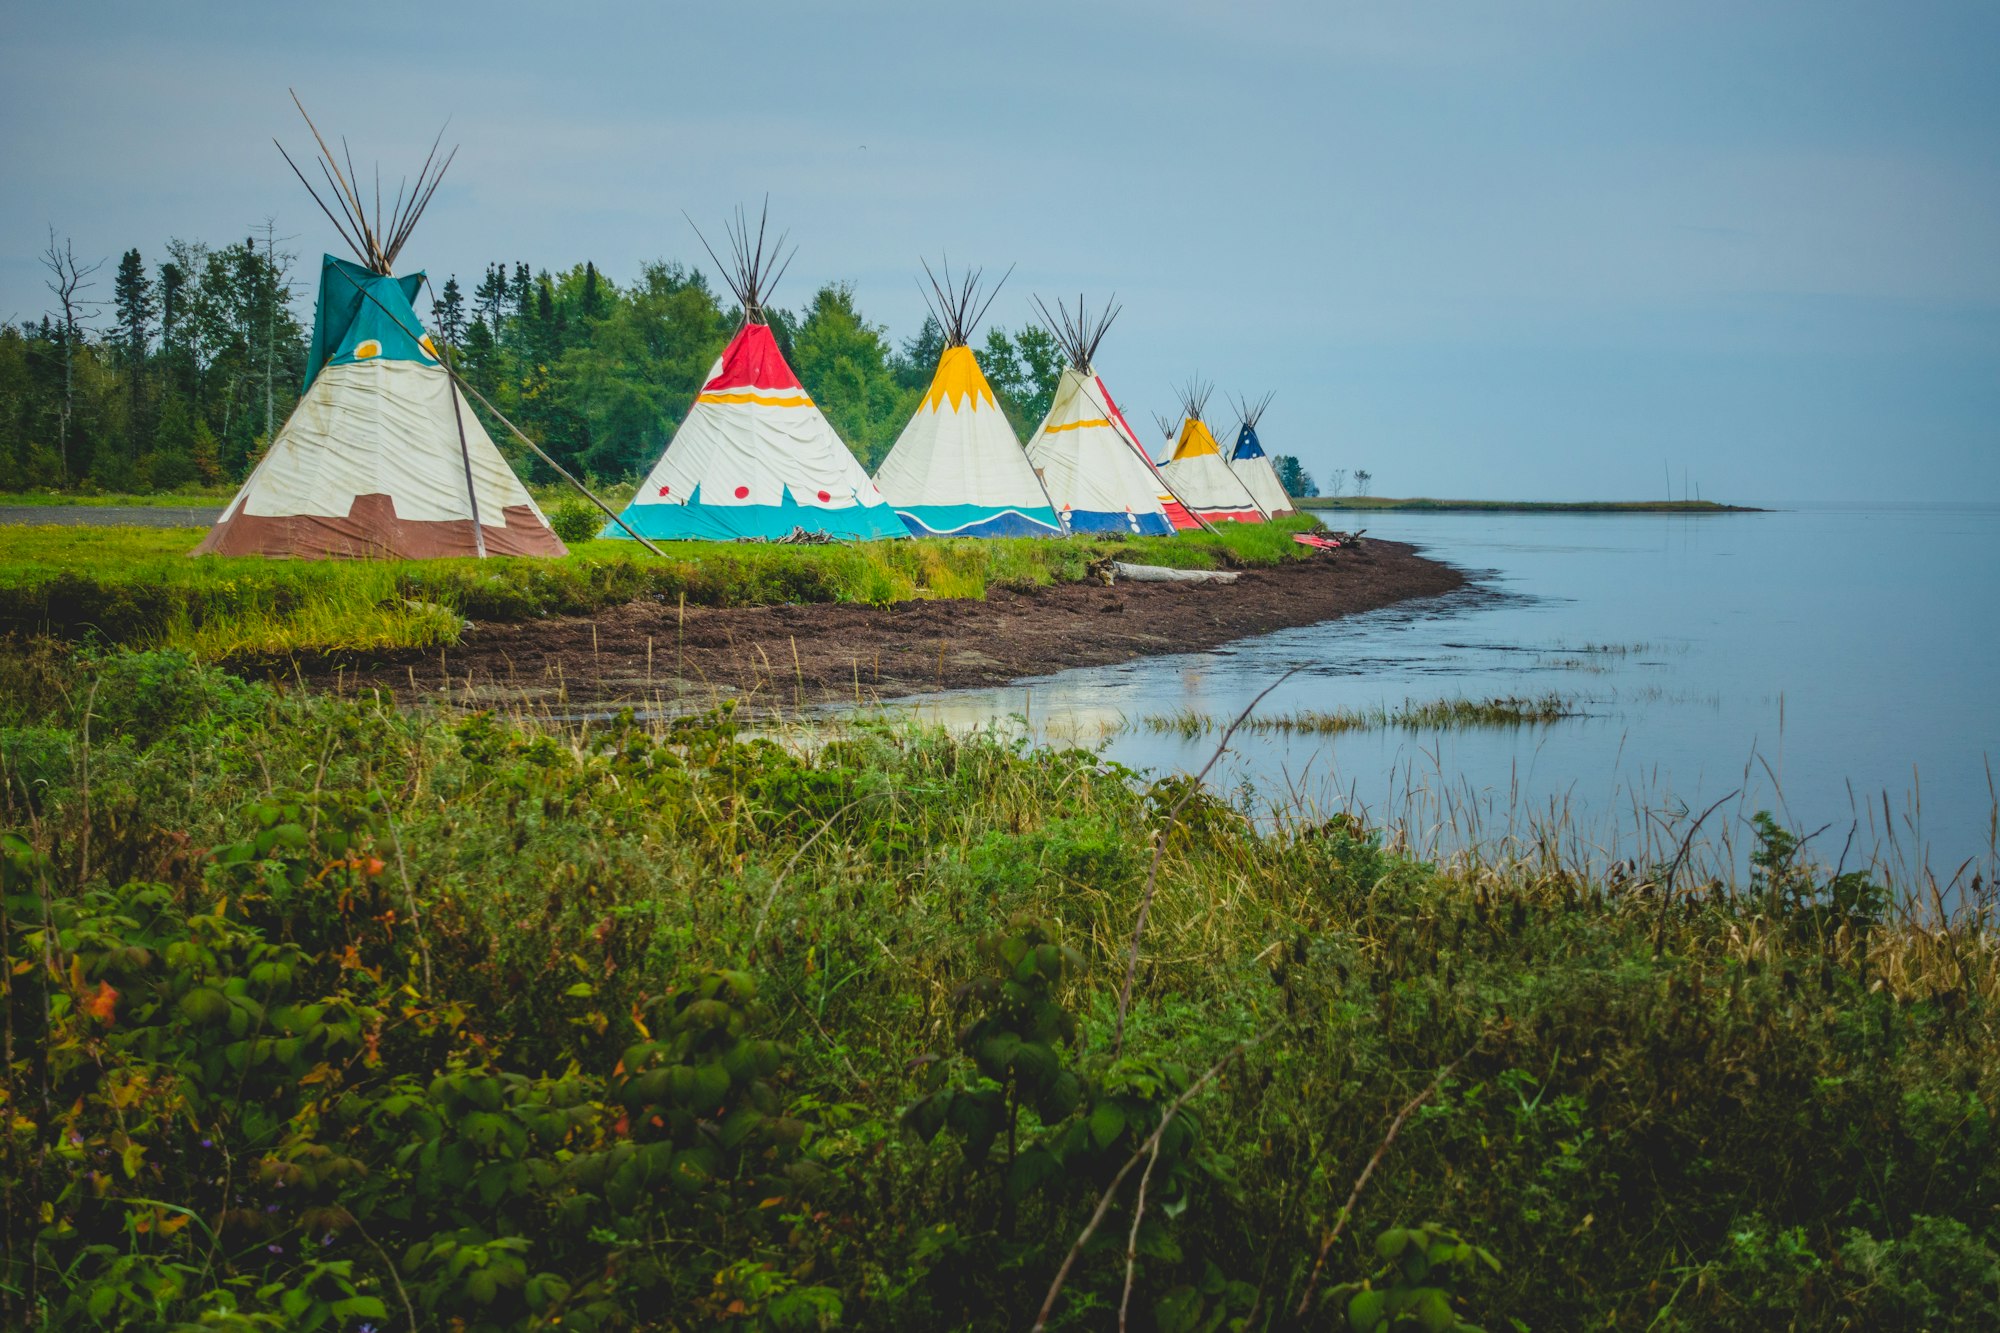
(1413,1289)
(319,1013)
(575,521)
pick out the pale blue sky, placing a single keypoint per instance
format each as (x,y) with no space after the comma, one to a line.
(1482,249)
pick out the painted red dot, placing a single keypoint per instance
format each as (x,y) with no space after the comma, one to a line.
(665,489)
(824,496)
(742,491)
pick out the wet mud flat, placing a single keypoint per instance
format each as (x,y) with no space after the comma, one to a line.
(660,655)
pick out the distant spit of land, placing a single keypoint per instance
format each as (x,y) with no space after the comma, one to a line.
(1530,506)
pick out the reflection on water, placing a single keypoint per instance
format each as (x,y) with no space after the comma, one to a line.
(1831,665)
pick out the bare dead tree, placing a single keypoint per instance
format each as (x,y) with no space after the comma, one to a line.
(1363,479)
(69,281)
(1336,482)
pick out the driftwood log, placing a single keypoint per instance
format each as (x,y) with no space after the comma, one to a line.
(1161,574)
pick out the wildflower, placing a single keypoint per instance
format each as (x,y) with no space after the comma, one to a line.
(275,1248)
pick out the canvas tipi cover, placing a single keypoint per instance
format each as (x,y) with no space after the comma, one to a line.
(1097,479)
(1198,473)
(1098,476)
(957,469)
(1248,461)
(755,457)
(382,456)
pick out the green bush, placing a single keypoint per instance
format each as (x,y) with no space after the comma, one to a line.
(575,522)
(324,1013)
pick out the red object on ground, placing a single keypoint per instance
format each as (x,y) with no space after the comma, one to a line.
(1313,539)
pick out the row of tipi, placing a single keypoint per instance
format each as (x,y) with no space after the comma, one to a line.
(384,456)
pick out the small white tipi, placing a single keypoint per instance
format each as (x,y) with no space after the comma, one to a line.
(1252,467)
(957,469)
(1098,475)
(1197,471)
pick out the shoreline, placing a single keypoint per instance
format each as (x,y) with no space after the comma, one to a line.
(649,653)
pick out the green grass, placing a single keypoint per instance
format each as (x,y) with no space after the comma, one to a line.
(1363,502)
(1435,715)
(136,586)
(351,1003)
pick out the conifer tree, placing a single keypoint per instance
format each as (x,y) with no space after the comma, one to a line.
(136,305)
(450,311)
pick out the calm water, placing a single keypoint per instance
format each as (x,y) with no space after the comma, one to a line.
(1834,665)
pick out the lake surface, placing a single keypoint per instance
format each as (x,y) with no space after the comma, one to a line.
(1831,664)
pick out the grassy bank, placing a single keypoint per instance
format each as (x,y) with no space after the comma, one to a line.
(1365,502)
(136,586)
(320,1013)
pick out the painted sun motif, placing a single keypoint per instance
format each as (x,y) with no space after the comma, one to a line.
(430,348)
(366,349)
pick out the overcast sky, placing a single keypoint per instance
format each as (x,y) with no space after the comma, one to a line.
(1481,249)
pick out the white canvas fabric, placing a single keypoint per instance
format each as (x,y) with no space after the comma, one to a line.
(1261,480)
(1089,465)
(1207,486)
(381,428)
(763,446)
(957,466)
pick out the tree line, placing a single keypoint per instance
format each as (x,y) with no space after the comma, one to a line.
(184,374)
(180,377)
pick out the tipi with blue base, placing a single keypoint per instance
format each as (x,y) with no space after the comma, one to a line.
(756,457)
(957,469)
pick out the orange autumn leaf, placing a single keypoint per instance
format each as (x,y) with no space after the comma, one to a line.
(102,1006)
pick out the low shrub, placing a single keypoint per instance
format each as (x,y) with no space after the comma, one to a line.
(320,1013)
